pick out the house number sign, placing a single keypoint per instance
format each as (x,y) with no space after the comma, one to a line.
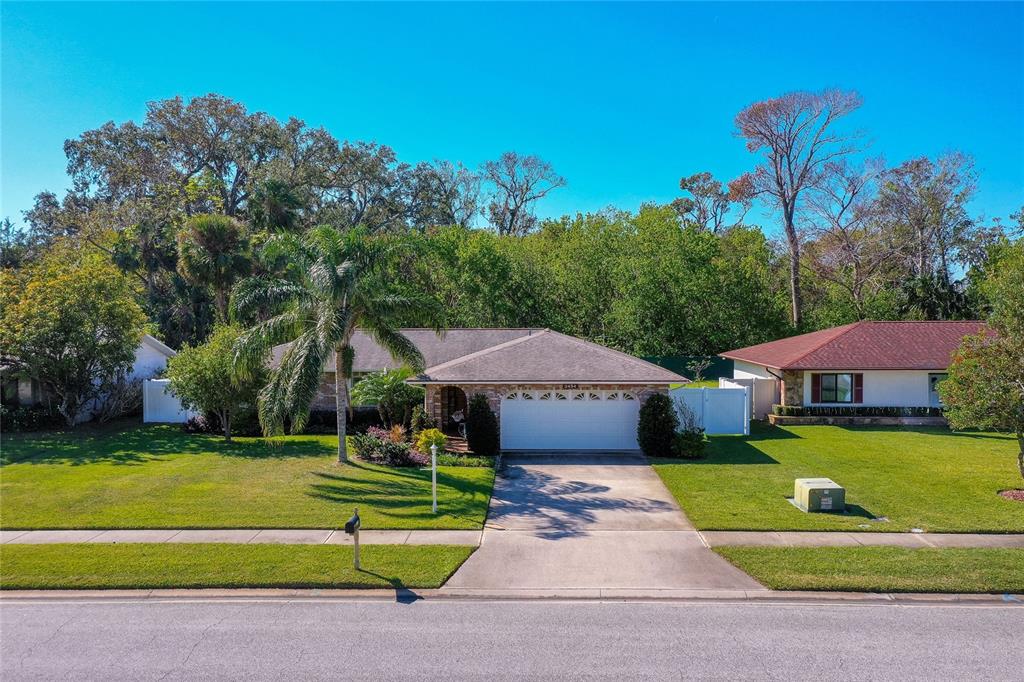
(570,387)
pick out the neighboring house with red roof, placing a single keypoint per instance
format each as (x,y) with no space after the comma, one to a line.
(550,391)
(869,364)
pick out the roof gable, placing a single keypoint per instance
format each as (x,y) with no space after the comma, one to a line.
(864,345)
(548,357)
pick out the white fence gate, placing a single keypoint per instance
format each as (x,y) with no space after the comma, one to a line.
(763,394)
(717,410)
(159,404)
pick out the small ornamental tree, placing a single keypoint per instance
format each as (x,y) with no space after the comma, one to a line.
(656,430)
(72,324)
(204,379)
(985,386)
(482,427)
(388,391)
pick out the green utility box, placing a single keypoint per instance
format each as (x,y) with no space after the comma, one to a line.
(819,495)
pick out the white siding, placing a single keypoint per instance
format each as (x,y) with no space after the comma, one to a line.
(748,370)
(149,360)
(885,388)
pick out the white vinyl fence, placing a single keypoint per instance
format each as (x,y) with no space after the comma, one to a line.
(763,394)
(717,410)
(159,404)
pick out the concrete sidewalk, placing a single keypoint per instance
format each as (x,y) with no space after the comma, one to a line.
(252,536)
(472,538)
(724,538)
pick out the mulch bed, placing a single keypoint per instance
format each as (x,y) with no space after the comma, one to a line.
(1017,495)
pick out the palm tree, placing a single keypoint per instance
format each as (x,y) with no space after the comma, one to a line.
(336,285)
(213,250)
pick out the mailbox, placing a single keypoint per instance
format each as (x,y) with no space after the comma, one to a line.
(352,525)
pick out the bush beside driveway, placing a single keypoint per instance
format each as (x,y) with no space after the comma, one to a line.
(160,477)
(927,478)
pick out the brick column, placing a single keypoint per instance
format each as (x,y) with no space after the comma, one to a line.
(792,387)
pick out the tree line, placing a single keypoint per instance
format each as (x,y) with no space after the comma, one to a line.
(184,202)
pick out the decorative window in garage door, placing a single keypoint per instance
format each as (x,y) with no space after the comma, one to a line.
(578,395)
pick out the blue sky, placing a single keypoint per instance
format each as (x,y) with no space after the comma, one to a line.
(621,99)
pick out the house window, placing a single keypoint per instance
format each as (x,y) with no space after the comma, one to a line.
(837,388)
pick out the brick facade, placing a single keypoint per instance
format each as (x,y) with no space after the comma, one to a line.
(495,392)
(432,403)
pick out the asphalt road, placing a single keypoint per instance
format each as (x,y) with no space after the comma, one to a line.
(507,640)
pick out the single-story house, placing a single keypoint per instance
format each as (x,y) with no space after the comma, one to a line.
(151,358)
(868,363)
(550,391)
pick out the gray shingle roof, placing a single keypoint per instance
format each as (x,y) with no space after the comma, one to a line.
(547,357)
(454,343)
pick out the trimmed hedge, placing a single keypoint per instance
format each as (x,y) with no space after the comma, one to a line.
(29,418)
(482,427)
(854,411)
(656,430)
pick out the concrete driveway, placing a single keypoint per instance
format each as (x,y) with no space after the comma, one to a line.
(569,522)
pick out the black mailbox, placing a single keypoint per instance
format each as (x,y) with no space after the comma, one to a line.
(352,525)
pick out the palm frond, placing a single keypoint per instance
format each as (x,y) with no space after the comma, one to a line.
(254,344)
(397,344)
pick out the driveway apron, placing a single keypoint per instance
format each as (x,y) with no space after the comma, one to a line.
(564,522)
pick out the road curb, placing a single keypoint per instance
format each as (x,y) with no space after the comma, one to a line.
(562,595)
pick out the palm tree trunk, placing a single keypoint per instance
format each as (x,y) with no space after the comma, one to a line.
(1020,453)
(341,404)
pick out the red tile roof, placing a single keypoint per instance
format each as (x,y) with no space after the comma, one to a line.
(864,345)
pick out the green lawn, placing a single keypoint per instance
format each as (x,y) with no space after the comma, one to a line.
(160,477)
(926,478)
(152,566)
(882,569)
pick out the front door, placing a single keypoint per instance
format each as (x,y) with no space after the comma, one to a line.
(453,409)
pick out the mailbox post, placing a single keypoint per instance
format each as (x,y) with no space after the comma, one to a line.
(352,528)
(433,474)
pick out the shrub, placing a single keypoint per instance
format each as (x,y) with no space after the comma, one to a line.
(689,442)
(854,411)
(482,427)
(199,424)
(398,434)
(204,379)
(420,420)
(28,418)
(450,459)
(656,430)
(380,449)
(326,421)
(429,437)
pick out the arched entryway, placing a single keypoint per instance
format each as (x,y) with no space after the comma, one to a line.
(453,403)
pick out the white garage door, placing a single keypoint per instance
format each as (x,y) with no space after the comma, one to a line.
(569,420)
